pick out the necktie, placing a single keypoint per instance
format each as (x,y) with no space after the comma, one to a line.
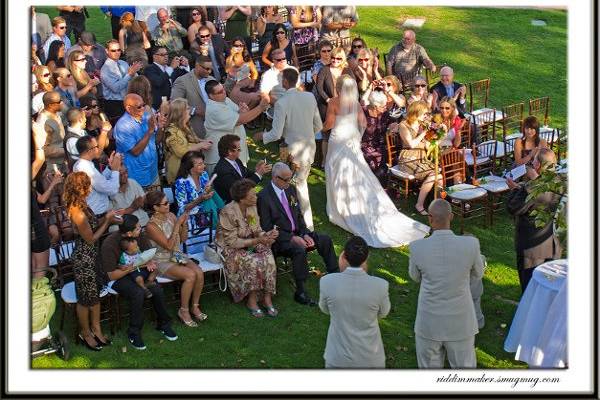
(237,168)
(69,98)
(287,209)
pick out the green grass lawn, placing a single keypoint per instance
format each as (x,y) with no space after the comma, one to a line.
(523,62)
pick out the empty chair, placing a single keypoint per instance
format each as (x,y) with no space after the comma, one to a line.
(478,93)
(540,108)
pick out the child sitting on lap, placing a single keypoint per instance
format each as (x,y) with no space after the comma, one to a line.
(131,253)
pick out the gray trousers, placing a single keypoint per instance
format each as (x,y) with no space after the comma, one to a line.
(476,292)
(432,353)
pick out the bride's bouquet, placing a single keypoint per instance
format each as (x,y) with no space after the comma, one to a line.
(435,133)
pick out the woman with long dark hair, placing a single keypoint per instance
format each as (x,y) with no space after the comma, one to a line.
(280,41)
(527,148)
(56,55)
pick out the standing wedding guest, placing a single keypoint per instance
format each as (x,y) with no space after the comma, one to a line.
(166,232)
(198,19)
(278,207)
(130,198)
(223,117)
(133,38)
(126,287)
(306,21)
(59,29)
(373,144)
(95,55)
(444,263)
(40,240)
(180,138)
(237,20)
(50,120)
(527,148)
(230,168)
(337,22)
(115,14)
(115,75)
(265,25)
(355,301)
(169,32)
(192,192)
(420,92)
(296,120)
(159,77)
(534,245)
(324,48)
(56,55)
(76,63)
(406,59)
(88,273)
(280,41)
(42,28)
(65,86)
(75,19)
(447,87)
(212,46)
(249,263)
(135,137)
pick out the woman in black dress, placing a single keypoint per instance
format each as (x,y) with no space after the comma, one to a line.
(373,143)
(89,275)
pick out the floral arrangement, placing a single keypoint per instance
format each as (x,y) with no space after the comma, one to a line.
(435,133)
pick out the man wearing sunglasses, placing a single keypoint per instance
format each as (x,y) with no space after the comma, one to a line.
(407,58)
(59,32)
(215,46)
(159,76)
(50,119)
(270,82)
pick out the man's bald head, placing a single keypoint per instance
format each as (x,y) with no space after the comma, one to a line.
(51,97)
(132,99)
(440,214)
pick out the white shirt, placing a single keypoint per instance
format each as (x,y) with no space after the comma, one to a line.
(103,185)
(72,142)
(272,78)
(148,15)
(202,84)
(278,191)
(124,200)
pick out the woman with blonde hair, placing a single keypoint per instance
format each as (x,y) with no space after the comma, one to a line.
(43,78)
(180,138)
(88,273)
(76,64)
(451,123)
(133,37)
(420,92)
(367,69)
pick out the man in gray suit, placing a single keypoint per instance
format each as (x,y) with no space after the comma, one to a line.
(191,87)
(444,263)
(355,301)
(296,119)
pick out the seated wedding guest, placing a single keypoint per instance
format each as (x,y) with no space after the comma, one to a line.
(447,87)
(412,156)
(452,123)
(59,30)
(44,85)
(396,101)
(126,287)
(130,198)
(230,169)
(366,69)
(444,264)
(105,183)
(65,86)
(166,232)
(198,19)
(134,37)
(280,41)
(249,264)
(373,143)
(534,245)
(420,92)
(76,63)
(355,301)
(179,137)
(169,32)
(192,192)
(238,46)
(358,45)
(306,21)
(224,117)
(87,271)
(278,207)
(56,55)
(135,137)
(527,148)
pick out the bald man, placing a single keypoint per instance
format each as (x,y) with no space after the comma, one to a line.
(444,264)
(448,87)
(50,119)
(135,136)
(407,58)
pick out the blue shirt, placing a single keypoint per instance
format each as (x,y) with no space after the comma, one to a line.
(128,132)
(118,11)
(115,79)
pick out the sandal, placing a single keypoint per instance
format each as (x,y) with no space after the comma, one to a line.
(199,317)
(191,323)
(271,311)
(422,211)
(256,312)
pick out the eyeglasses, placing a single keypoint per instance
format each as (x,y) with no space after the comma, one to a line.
(338,58)
(445,108)
(280,33)
(204,36)
(238,45)
(46,75)
(420,85)
(325,50)
(81,59)
(61,27)
(279,59)
(357,46)
(284,179)
(362,59)
(94,106)
(164,203)
(57,102)
(195,14)
(66,76)
(115,50)
(139,107)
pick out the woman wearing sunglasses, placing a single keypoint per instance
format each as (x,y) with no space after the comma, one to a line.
(76,64)
(366,70)
(238,45)
(451,122)
(44,84)
(198,19)
(420,92)
(266,24)
(280,41)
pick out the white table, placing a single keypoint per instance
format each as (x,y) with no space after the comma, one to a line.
(538,334)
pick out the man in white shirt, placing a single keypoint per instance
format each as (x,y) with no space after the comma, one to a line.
(130,198)
(270,81)
(103,184)
(59,29)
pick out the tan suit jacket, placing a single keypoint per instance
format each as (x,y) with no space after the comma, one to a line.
(444,264)
(187,87)
(355,301)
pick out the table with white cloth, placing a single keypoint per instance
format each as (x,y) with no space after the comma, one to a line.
(538,333)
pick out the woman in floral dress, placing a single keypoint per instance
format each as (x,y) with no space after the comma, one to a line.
(373,143)
(306,21)
(249,263)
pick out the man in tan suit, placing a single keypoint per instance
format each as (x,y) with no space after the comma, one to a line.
(444,263)
(296,119)
(355,301)
(188,87)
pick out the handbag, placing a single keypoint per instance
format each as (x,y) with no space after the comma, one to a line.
(213,254)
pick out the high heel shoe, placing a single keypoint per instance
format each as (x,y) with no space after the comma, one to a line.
(199,317)
(191,323)
(100,342)
(89,346)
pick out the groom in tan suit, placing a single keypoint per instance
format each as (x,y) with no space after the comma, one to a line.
(296,119)
(444,263)
(355,301)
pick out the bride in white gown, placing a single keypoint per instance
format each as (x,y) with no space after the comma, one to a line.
(355,199)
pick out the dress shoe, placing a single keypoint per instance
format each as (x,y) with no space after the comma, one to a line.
(303,298)
(86,344)
(100,342)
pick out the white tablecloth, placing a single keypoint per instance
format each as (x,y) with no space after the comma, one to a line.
(538,333)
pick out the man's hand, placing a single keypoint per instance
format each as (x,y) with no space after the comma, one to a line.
(175,62)
(309,241)
(244,107)
(531,173)
(298,241)
(206,144)
(262,167)
(134,68)
(258,136)
(114,161)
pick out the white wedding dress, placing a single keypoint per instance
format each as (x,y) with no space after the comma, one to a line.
(356,200)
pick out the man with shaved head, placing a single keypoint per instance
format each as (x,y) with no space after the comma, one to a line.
(407,58)
(445,264)
(135,136)
(50,119)
(447,87)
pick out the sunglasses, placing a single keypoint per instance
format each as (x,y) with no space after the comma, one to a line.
(338,58)
(195,14)
(164,203)
(46,74)
(363,59)
(238,45)
(420,85)
(236,149)
(115,50)
(279,59)
(139,107)
(445,108)
(57,102)
(66,76)
(325,50)
(280,33)
(81,59)
(162,54)
(62,27)
(357,46)
(285,180)
(94,106)
(204,36)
